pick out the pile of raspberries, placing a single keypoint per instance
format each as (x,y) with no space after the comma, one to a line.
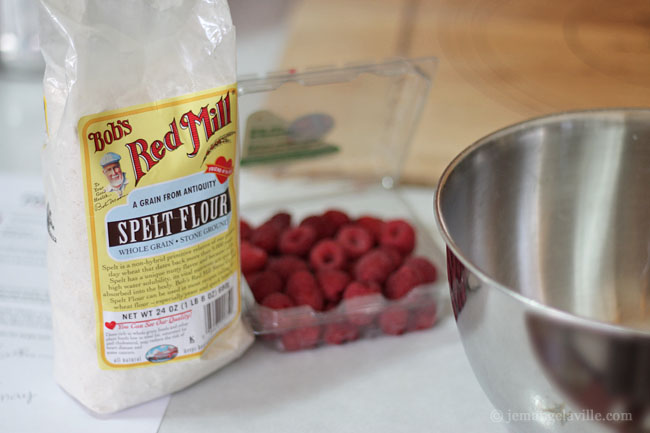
(325,262)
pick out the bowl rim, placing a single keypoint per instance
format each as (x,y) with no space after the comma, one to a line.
(555,312)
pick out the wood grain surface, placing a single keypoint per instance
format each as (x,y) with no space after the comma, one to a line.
(501,61)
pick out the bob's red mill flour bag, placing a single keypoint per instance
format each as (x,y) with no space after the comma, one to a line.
(140,173)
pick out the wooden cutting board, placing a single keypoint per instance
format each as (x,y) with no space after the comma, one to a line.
(501,61)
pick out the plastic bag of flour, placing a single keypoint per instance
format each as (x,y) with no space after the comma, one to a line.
(140,173)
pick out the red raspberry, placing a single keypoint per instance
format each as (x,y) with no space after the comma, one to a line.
(423,317)
(320,224)
(327,254)
(401,282)
(339,333)
(253,259)
(284,266)
(264,283)
(393,320)
(303,290)
(245,230)
(355,240)
(372,224)
(309,296)
(336,219)
(394,255)
(304,337)
(373,266)
(266,237)
(400,235)
(273,321)
(297,240)
(354,290)
(427,270)
(277,301)
(332,282)
(281,221)
(300,279)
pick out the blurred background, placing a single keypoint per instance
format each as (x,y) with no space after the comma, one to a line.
(501,61)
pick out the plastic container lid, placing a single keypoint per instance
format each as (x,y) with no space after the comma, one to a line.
(347,124)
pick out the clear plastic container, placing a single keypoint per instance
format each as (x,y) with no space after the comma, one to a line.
(336,138)
(301,327)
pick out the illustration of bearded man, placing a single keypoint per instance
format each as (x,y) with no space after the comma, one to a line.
(113,171)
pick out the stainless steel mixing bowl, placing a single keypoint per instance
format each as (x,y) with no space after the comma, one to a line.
(547,225)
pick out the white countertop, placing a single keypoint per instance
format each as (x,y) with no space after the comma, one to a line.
(418,382)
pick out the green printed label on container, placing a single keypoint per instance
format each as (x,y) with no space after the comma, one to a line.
(269,138)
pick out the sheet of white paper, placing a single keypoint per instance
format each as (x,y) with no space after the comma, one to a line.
(30,401)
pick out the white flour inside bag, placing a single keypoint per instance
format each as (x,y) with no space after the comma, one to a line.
(140,169)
